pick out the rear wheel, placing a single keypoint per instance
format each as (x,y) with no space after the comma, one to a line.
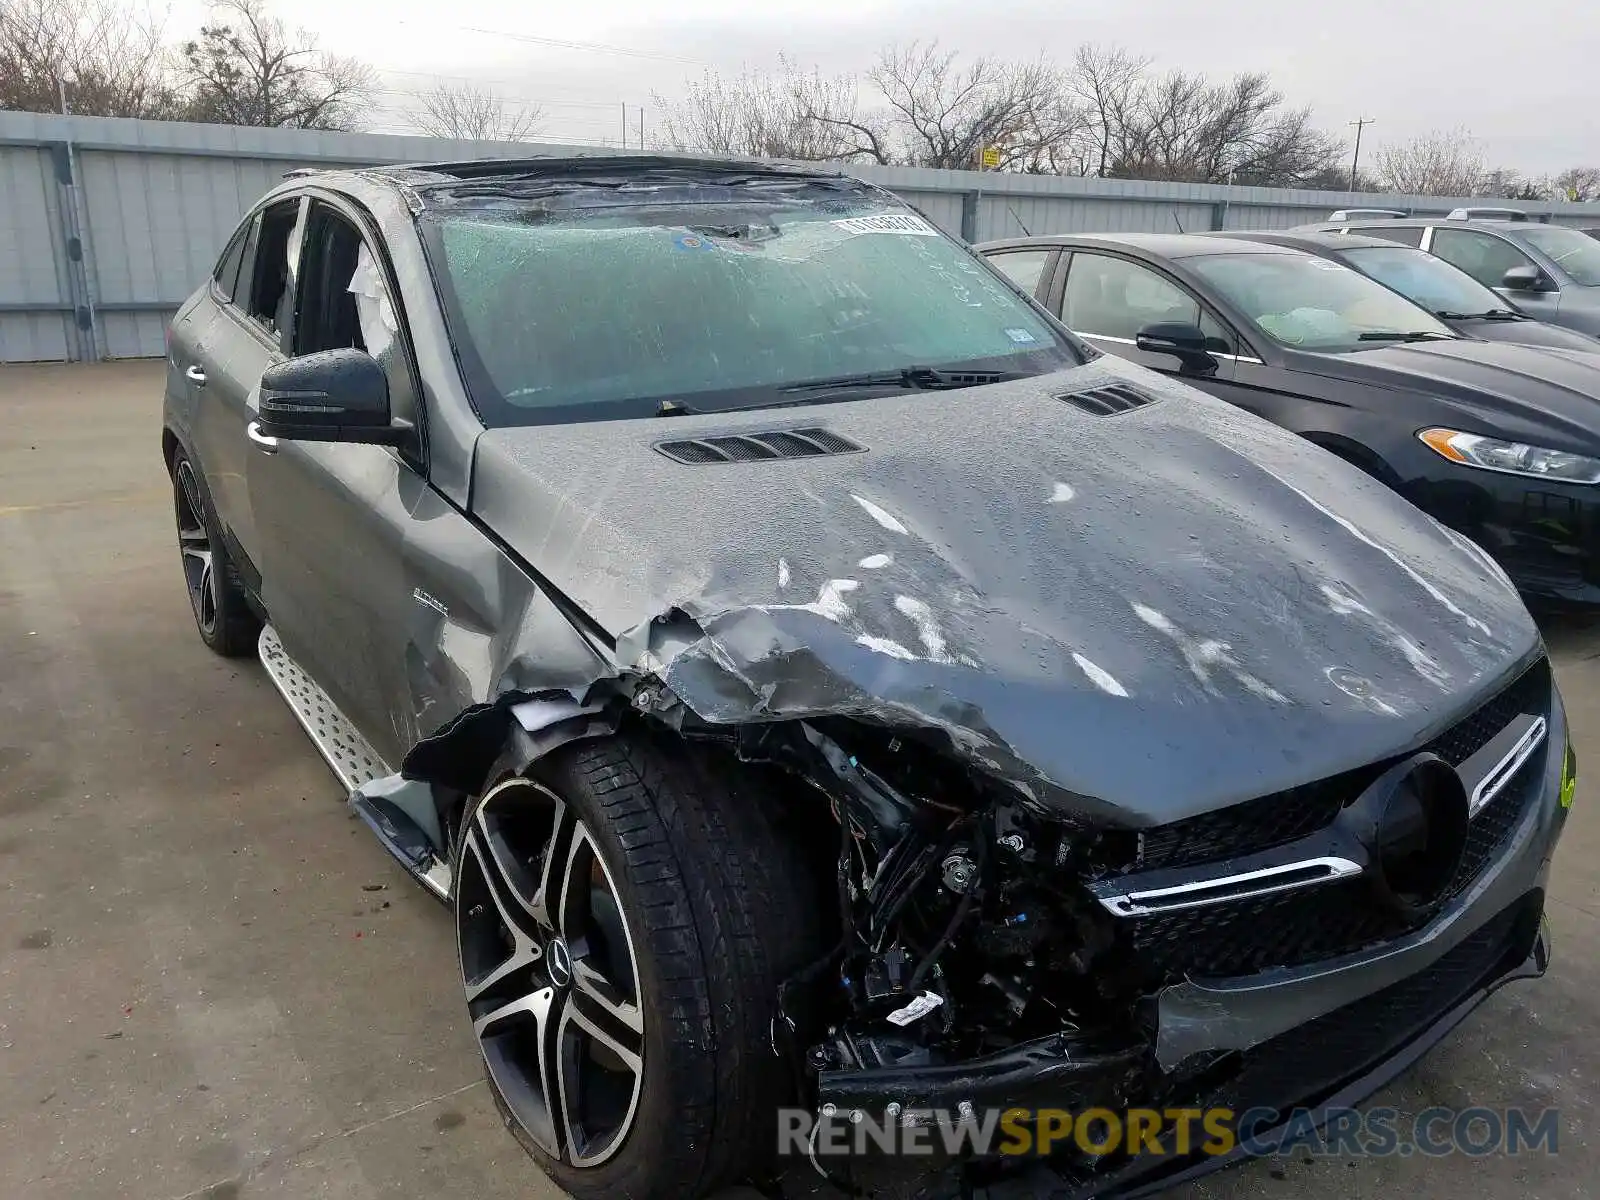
(625,913)
(221,613)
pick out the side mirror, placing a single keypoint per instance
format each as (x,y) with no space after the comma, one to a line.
(1523,279)
(1185,342)
(330,396)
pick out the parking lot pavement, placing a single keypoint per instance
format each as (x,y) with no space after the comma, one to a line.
(214,983)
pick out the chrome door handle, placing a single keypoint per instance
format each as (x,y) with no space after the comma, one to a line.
(196,376)
(263,442)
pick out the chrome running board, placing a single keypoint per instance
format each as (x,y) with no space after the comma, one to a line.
(354,762)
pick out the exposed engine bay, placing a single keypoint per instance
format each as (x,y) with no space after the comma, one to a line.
(973,969)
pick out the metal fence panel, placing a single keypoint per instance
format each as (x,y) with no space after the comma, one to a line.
(35,310)
(942,208)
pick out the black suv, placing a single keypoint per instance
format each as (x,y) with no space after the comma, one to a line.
(1552,272)
(817,679)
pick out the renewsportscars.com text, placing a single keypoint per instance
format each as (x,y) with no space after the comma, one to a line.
(1261,1132)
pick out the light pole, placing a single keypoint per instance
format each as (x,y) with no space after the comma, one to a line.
(1355,159)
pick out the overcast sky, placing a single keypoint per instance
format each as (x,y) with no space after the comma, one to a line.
(1523,81)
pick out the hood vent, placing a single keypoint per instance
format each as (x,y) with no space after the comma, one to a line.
(758,447)
(1109,401)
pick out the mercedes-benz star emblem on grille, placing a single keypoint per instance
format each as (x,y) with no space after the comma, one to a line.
(1412,822)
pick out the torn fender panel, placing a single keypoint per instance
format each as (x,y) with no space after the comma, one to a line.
(1146,616)
(481,639)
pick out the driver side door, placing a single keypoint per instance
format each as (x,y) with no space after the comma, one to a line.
(1107,299)
(332,516)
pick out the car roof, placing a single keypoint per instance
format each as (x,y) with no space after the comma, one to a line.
(540,173)
(1162,245)
(1317,240)
(548,166)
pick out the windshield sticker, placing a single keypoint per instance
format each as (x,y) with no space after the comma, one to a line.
(1323,264)
(905,223)
(690,241)
(1020,336)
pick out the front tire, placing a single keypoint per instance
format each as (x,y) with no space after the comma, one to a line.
(625,914)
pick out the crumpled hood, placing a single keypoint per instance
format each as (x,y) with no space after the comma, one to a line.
(1137,617)
(1535,387)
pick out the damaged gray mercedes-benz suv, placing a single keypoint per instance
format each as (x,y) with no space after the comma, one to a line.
(818,681)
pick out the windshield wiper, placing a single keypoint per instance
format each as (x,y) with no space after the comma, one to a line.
(922,378)
(798,394)
(1494,314)
(1416,335)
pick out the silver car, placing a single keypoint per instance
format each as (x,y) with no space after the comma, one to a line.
(1550,271)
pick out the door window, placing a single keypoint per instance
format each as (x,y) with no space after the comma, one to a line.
(1114,298)
(271,303)
(1482,255)
(345,303)
(1024,267)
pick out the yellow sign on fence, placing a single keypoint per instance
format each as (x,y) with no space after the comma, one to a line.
(991,157)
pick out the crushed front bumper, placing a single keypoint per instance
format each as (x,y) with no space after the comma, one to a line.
(1297,1041)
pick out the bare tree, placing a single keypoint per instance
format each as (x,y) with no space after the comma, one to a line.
(248,68)
(474,114)
(1106,83)
(1104,116)
(107,54)
(1511,184)
(1436,164)
(944,115)
(789,114)
(1183,126)
(1578,184)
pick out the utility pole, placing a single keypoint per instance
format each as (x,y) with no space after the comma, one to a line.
(624,124)
(641,127)
(1355,159)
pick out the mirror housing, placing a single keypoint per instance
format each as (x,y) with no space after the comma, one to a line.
(1185,342)
(1523,279)
(330,396)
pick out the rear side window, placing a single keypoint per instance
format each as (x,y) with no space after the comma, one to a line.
(1411,236)
(227,272)
(1024,267)
(277,257)
(1482,255)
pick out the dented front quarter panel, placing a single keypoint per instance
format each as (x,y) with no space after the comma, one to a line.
(482,630)
(1133,618)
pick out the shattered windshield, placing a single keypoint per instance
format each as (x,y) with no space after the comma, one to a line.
(610,311)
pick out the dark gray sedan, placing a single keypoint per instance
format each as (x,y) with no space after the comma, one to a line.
(1446,291)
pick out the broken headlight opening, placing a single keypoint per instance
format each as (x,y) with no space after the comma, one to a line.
(974,967)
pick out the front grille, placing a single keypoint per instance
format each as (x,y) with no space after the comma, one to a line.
(1282,817)
(1294,928)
